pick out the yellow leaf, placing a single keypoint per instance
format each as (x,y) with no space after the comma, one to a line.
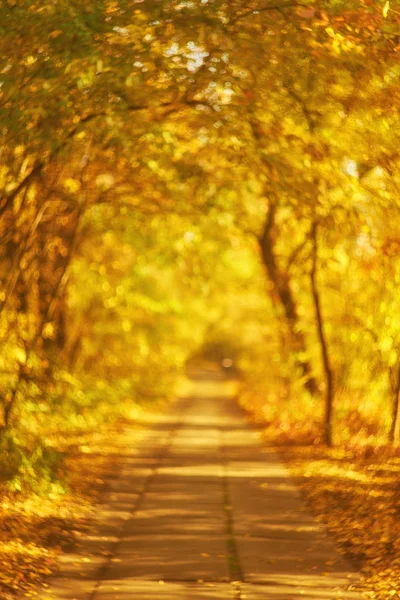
(48,331)
(55,34)
(71,185)
(385,9)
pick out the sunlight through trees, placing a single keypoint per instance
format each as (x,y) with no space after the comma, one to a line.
(173,171)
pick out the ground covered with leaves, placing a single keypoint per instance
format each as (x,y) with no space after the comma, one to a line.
(357,495)
(36,526)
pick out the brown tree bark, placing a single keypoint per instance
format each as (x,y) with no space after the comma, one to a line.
(51,293)
(394,433)
(329,383)
(281,286)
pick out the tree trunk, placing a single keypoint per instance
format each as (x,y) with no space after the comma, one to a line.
(8,406)
(394,434)
(281,285)
(329,384)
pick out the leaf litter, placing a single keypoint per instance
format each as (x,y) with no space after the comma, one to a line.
(356,494)
(35,528)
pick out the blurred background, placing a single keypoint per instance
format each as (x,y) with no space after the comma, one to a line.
(197,181)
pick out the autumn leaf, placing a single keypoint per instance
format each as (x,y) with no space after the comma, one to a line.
(386,8)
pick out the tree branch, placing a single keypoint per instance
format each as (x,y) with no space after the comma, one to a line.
(271,7)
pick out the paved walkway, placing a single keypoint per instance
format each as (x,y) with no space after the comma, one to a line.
(201,511)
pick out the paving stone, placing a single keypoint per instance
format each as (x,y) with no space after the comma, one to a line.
(191,470)
(96,545)
(185,504)
(128,484)
(171,557)
(263,468)
(112,515)
(196,435)
(272,501)
(259,487)
(119,500)
(264,527)
(267,520)
(129,589)
(67,588)
(198,454)
(263,558)
(175,525)
(128,462)
(195,493)
(185,512)
(320,589)
(80,565)
(175,521)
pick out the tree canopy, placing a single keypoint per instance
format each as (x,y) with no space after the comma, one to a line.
(190,171)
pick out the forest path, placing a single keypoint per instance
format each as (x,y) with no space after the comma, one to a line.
(200,511)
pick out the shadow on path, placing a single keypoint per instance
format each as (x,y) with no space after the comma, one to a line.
(202,510)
